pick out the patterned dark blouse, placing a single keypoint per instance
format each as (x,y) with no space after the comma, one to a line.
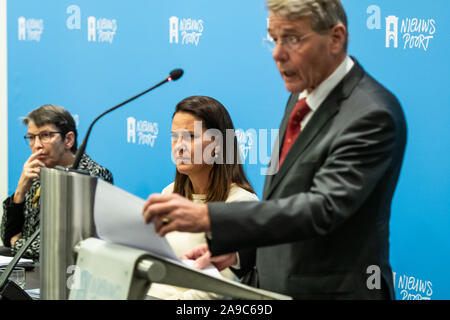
(24,217)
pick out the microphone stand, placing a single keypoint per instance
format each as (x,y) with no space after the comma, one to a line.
(9,290)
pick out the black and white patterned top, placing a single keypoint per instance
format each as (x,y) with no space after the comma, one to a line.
(24,217)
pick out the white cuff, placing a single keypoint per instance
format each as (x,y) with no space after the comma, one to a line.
(237,265)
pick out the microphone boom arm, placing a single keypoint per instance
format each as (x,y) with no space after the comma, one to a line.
(174,75)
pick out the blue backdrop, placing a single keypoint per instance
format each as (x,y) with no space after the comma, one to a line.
(88,56)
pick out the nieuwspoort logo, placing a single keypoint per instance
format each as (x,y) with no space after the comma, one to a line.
(406,33)
(30,29)
(185,30)
(142,132)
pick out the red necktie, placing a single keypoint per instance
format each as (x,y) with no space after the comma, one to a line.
(293,129)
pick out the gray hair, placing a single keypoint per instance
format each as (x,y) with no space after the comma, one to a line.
(324,14)
(56,115)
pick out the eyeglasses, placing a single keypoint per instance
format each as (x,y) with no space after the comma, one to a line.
(291,42)
(44,137)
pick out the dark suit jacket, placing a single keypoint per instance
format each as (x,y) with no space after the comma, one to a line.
(324,218)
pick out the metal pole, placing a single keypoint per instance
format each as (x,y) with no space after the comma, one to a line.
(67,201)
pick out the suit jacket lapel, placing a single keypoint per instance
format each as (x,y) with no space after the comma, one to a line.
(276,148)
(325,112)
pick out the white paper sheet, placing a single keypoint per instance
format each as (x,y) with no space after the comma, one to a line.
(118,218)
(209,269)
(4,261)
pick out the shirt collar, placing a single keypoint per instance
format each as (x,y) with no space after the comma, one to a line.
(318,95)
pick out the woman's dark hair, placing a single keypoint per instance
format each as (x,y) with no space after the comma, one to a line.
(56,115)
(214,116)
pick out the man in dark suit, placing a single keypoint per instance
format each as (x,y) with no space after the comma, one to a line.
(322,229)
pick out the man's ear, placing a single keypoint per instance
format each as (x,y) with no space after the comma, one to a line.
(338,38)
(69,140)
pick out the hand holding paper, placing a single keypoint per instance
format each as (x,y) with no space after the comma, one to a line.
(118,219)
(172,212)
(203,259)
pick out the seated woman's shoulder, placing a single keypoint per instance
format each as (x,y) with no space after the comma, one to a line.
(239,194)
(168,189)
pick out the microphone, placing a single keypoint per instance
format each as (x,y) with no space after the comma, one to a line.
(174,75)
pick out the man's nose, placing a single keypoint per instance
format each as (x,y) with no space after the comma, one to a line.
(279,53)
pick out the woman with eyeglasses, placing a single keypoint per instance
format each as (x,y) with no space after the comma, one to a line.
(52,137)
